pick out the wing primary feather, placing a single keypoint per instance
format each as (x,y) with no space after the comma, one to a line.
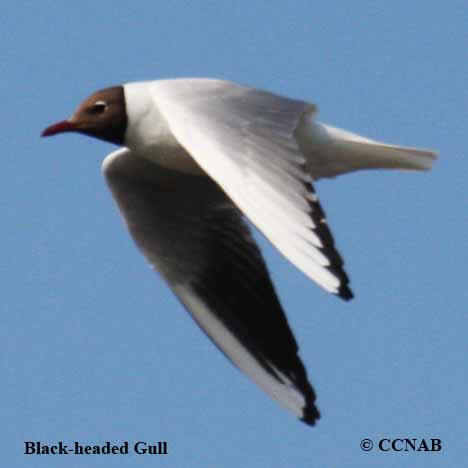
(321,228)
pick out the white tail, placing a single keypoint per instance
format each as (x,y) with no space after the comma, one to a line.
(331,151)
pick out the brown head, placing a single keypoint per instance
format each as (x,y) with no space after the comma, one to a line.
(103,115)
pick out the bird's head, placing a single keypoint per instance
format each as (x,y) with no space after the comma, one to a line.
(102,115)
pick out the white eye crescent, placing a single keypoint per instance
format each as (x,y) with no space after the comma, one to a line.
(99,107)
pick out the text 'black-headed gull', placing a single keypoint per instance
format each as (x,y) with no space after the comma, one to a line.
(198,155)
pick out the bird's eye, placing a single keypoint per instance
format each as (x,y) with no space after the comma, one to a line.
(98,107)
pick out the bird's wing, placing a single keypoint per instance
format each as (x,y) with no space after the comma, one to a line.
(196,238)
(244,139)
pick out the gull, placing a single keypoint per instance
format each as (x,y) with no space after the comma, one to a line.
(200,156)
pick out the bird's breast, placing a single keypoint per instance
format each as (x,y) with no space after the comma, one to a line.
(149,135)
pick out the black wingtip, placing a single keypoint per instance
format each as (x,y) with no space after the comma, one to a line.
(310,412)
(345,293)
(321,228)
(311,415)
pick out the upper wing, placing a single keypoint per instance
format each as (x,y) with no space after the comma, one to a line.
(194,235)
(244,139)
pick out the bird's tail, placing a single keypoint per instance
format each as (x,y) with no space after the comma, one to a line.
(340,151)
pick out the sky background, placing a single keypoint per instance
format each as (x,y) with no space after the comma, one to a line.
(94,347)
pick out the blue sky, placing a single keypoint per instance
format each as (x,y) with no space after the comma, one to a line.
(94,347)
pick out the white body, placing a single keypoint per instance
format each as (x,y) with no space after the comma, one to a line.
(329,151)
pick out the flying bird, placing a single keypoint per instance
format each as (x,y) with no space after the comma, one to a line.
(199,156)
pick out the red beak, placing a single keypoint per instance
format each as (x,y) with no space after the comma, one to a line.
(60,127)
